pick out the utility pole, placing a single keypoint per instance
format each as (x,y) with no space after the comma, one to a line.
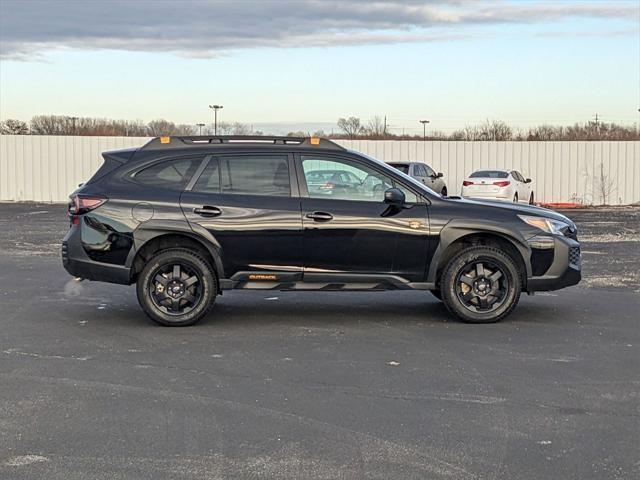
(384,133)
(199,125)
(424,129)
(215,109)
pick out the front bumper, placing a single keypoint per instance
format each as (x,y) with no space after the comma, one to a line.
(564,269)
(76,261)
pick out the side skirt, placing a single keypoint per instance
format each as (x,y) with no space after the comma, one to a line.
(287,281)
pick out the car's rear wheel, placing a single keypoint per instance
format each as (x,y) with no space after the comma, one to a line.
(176,288)
(481,284)
(515,198)
(531,202)
(443,192)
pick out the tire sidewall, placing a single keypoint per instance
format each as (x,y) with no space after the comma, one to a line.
(209,287)
(471,254)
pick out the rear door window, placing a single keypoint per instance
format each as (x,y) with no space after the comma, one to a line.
(255,175)
(403,167)
(209,181)
(171,174)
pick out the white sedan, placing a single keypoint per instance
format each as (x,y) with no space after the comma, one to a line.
(507,185)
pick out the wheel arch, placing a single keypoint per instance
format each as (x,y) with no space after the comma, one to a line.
(457,235)
(152,239)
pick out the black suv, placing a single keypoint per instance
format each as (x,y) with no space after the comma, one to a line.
(185,218)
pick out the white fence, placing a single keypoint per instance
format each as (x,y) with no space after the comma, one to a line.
(48,168)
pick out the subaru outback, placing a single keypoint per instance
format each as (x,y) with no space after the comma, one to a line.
(187,218)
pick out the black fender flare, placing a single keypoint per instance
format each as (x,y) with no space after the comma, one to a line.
(458,228)
(147,231)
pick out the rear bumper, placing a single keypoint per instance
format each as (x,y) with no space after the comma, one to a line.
(489,196)
(77,263)
(565,270)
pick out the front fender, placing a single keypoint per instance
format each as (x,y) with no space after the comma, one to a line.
(459,228)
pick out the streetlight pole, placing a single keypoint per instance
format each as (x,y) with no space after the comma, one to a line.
(215,109)
(200,125)
(424,129)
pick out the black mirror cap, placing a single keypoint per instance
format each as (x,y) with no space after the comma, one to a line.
(394,196)
(527,180)
(439,175)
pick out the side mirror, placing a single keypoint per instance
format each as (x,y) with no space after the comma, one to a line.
(527,180)
(439,175)
(394,197)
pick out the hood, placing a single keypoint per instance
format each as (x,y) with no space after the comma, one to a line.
(516,208)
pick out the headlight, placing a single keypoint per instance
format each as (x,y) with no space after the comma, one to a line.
(547,224)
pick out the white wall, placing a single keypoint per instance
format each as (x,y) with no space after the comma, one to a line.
(561,171)
(48,168)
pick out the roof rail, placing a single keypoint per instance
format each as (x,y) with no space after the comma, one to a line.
(181,142)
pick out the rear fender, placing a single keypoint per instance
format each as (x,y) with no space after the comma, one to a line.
(155,228)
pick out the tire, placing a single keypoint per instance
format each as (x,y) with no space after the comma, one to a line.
(515,198)
(176,275)
(531,202)
(466,300)
(443,192)
(437,294)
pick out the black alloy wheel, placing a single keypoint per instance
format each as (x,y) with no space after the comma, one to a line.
(481,284)
(176,287)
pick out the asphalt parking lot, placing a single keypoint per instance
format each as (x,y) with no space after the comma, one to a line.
(317,386)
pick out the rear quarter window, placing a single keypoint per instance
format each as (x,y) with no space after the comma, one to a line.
(171,174)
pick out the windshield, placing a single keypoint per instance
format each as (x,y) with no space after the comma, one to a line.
(489,174)
(407,179)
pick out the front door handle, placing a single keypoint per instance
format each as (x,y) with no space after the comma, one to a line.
(320,216)
(208,211)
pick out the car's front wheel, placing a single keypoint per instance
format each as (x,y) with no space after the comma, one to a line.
(481,284)
(176,288)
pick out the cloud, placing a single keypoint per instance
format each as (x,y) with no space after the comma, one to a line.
(206,28)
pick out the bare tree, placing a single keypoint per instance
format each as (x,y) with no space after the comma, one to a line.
(241,129)
(350,126)
(298,133)
(11,126)
(50,125)
(605,185)
(376,127)
(161,127)
(468,133)
(495,130)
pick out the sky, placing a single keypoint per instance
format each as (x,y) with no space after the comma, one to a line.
(300,65)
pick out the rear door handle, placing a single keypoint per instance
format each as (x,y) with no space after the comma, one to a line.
(208,211)
(320,216)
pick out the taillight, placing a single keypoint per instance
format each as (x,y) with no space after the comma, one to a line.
(85,203)
(466,183)
(327,186)
(502,184)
